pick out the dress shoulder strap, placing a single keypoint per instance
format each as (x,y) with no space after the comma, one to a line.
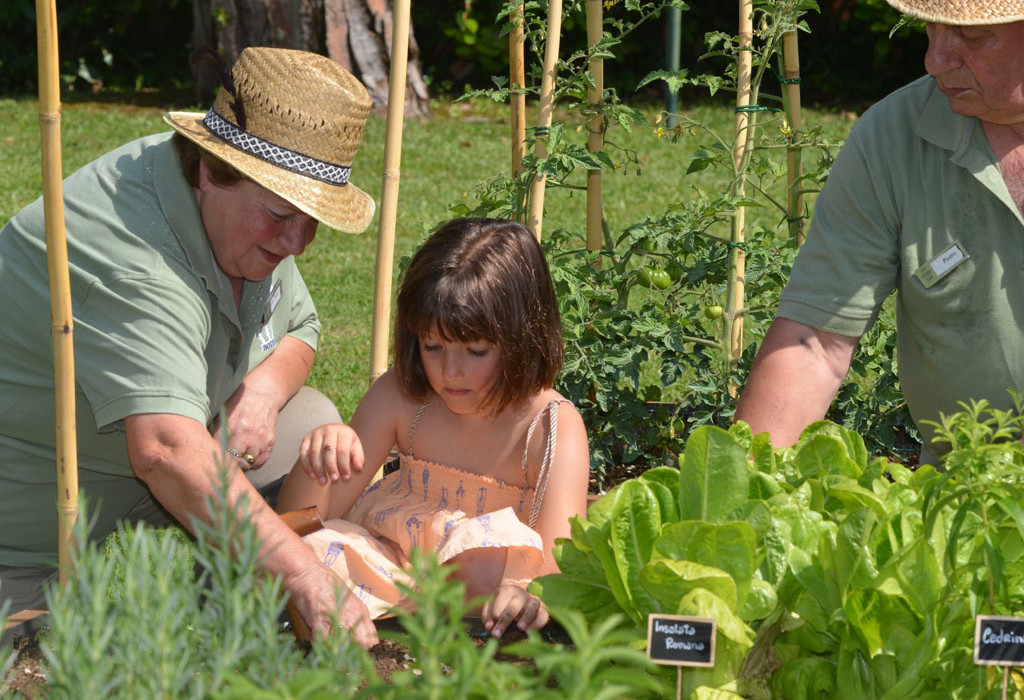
(549,452)
(415,422)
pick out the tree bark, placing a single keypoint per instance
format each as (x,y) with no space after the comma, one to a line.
(355,33)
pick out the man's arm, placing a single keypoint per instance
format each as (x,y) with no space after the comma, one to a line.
(795,376)
(177,459)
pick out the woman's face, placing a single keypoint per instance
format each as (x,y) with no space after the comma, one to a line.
(250,229)
(462,374)
(980,69)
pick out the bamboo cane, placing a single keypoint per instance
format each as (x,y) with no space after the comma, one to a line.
(517,81)
(744,129)
(60,284)
(791,74)
(389,189)
(547,95)
(595,128)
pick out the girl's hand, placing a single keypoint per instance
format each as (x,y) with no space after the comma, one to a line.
(512,603)
(331,452)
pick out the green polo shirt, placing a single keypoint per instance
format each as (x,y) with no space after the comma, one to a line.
(917,187)
(155,330)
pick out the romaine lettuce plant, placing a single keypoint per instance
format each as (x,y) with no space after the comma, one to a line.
(831,574)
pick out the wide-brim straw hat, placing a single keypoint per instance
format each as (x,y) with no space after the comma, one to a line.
(962,12)
(303,120)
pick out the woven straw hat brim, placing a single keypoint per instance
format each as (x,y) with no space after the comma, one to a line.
(962,12)
(344,208)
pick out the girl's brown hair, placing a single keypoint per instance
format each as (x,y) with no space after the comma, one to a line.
(482,279)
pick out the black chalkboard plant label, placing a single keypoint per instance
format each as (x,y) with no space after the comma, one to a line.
(998,641)
(679,640)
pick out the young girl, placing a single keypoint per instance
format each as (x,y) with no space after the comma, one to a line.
(493,461)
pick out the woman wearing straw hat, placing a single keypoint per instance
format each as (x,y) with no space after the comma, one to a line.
(926,198)
(194,332)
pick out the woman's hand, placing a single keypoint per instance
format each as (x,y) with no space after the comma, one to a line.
(331,453)
(251,424)
(512,603)
(314,598)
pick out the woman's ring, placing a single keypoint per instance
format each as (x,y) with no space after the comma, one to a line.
(245,456)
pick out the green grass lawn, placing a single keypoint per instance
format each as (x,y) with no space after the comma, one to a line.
(443,159)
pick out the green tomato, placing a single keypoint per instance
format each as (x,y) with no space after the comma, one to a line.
(712,312)
(645,244)
(654,278)
(675,271)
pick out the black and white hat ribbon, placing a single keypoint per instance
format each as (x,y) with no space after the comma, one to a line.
(277,155)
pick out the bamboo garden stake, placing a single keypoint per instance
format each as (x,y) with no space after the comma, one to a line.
(387,220)
(547,90)
(60,285)
(744,141)
(595,127)
(791,92)
(517,82)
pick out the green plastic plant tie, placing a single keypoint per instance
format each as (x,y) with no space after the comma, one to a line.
(542,131)
(756,108)
(795,219)
(784,80)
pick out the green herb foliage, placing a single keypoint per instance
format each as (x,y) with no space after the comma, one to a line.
(831,573)
(134,622)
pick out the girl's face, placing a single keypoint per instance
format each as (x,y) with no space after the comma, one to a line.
(462,374)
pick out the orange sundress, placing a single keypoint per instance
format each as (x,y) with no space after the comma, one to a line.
(438,508)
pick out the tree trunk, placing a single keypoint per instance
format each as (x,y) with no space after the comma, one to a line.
(355,33)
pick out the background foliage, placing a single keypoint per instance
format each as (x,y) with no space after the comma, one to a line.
(135,44)
(644,360)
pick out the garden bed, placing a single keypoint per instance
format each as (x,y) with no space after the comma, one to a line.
(27,676)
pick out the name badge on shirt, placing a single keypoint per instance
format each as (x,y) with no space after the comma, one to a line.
(272,302)
(941,265)
(267,339)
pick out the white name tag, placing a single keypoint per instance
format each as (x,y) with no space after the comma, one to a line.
(941,265)
(272,302)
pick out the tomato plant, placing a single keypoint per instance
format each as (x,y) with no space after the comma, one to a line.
(632,338)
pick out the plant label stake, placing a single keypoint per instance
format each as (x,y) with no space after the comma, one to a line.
(678,640)
(999,641)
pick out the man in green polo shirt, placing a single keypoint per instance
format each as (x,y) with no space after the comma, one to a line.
(194,333)
(926,197)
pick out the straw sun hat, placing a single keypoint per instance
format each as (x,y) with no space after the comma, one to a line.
(293,126)
(962,12)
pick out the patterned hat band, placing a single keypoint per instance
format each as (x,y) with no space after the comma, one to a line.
(274,154)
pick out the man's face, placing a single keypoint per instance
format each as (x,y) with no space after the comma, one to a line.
(250,229)
(980,69)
